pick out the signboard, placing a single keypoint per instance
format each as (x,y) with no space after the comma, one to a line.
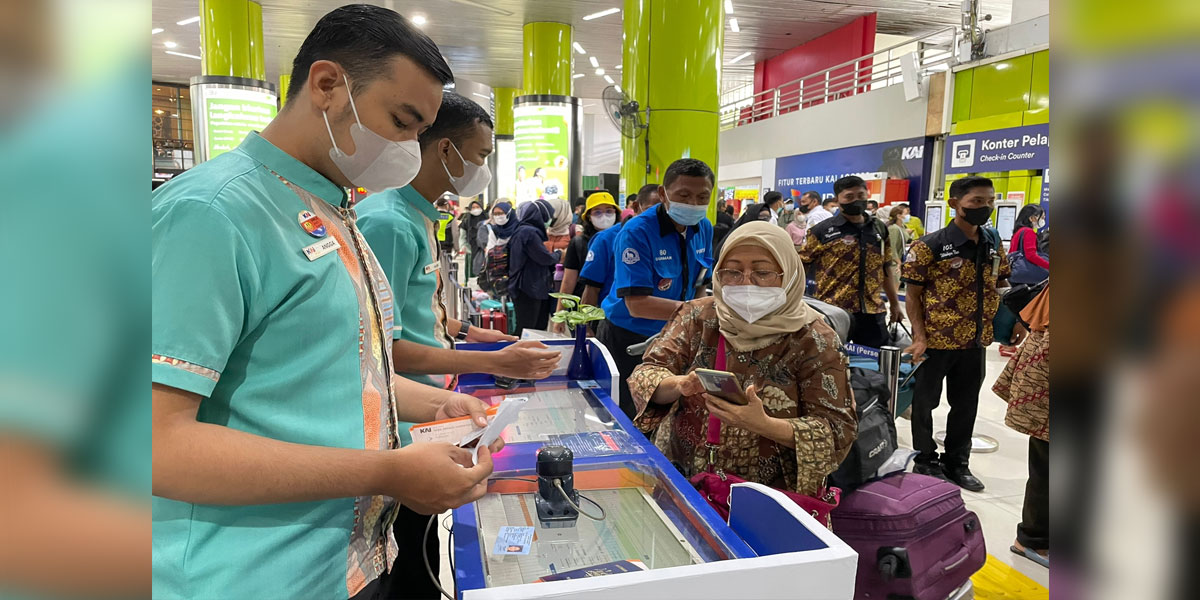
(506,169)
(231,114)
(900,159)
(1046,194)
(1012,149)
(542,138)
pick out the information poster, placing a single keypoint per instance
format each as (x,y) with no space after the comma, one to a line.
(231,114)
(542,136)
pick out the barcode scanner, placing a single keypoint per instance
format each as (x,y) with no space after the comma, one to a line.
(557,498)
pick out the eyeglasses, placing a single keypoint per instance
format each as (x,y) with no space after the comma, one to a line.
(759,278)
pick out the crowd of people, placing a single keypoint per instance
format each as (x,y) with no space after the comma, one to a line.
(292,353)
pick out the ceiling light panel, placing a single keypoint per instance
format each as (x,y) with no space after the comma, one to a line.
(603,13)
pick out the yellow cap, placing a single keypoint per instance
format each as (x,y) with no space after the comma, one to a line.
(600,198)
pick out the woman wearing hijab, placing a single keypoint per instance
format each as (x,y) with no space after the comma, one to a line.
(559,234)
(502,225)
(800,421)
(531,267)
(470,224)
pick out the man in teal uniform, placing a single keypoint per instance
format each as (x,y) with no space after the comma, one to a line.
(277,464)
(401,226)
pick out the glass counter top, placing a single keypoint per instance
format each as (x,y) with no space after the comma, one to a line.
(644,520)
(551,409)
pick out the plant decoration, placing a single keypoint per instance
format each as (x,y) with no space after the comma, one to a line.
(575,312)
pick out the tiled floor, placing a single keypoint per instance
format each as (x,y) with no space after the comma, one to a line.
(1004,472)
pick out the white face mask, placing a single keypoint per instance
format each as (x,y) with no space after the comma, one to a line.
(604,221)
(500,220)
(378,164)
(1041,224)
(475,212)
(474,180)
(752,302)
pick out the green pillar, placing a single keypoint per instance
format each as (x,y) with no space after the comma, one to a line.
(678,77)
(504,109)
(547,59)
(233,38)
(285,81)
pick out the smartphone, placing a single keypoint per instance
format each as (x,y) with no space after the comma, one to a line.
(723,385)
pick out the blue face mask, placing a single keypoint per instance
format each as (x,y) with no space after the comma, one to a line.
(686,214)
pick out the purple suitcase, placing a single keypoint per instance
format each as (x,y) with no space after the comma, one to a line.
(914,537)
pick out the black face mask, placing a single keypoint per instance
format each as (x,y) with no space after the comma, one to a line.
(977,216)
(804,208)
(854,209)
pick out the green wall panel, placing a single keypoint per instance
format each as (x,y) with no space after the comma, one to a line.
(1014,119)
(1039,87)
(962,95)
(1001,87)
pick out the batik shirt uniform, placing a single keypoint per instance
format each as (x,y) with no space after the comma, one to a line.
(959,277)
(270,306)
(848,262)
(801,377)
(401,227)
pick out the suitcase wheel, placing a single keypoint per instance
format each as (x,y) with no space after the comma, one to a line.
(892,563)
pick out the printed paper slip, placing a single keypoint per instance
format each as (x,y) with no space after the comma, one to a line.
(450,431)
(506,415)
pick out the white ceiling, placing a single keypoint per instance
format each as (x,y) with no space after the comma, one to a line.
(481,39)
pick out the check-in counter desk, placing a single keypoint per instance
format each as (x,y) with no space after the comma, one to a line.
(768,549)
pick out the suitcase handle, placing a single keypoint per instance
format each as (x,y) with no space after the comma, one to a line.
(965,554)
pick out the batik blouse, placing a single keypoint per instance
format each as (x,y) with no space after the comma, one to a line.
(801,377)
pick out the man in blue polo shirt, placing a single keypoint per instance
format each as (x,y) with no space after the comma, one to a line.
(597,272)
(277,465)
(660,256)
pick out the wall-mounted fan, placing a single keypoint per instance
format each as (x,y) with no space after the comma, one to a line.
(625,113)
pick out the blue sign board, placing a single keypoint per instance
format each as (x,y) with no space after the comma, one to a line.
(1046,194)
(901,159)
(1012,149)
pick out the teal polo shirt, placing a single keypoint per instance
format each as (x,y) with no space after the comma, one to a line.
(401,227)
(283,336)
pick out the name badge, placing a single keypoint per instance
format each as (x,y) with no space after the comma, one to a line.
(431,267)
(321,248)
(995,264)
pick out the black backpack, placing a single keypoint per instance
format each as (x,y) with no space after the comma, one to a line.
(876,441)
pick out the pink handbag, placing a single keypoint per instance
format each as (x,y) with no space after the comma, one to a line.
(714,484)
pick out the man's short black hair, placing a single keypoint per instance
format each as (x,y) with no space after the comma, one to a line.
(962,187)
(690,167)
(811,194)
(772,197)
(846,183)
(828,201)
(872,204)
(362,38)
(456,120)
(646,196)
